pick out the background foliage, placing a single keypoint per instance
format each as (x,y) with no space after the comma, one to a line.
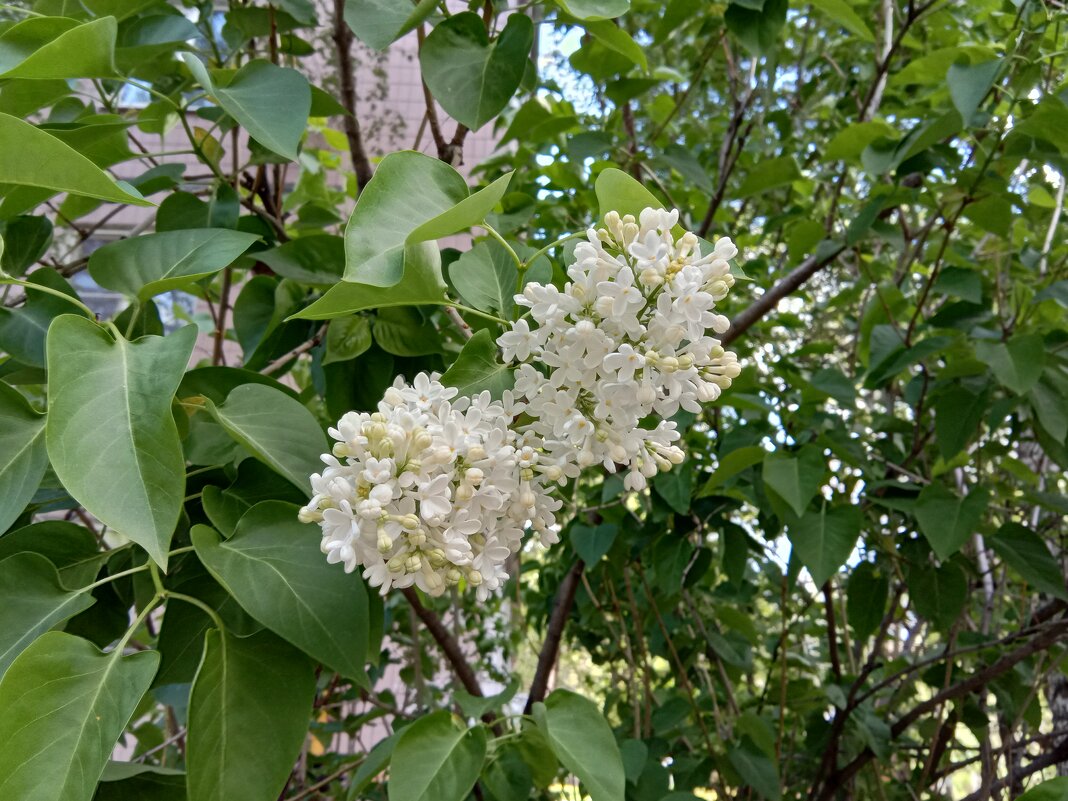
(853,588)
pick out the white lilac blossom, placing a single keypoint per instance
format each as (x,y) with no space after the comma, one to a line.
(432,489)
(628,337)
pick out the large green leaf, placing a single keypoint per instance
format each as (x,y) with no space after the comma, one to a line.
(758,771)
(436,760)
(477,368)
(133,781)
(55,165)
(958,412)
(248,717)
(866,600)
(796,479)
(583,741)
(757,30)
(948,521)
(1050,790)
(487,277)
(769,174)
(1018,363)
(595,9)
(471,77)
(938,593)
(411,198)
(111,436)
(421,285)
(1028,555)
(273,566)
(275,428)
(318,259)
(823,540)
(65,704)
(32,601)
(377,23)
(73,549)
(969,83)
(143,266)
(51,48)
(23,458)
(271,102)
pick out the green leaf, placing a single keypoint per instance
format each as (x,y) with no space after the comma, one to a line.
(471,77)
(823,540)
(274,428)
(948,521)
(317,259)
(758,31)
(347,338)
(65,704)
(1028,555)
(248,717)
(23,458)
(732,464)
(487,277)
(835,384)
(273,566)
(26,239)
(404,331)
(675,486)
(619,192)
(958,412)
(866,600)
(378,23)
(131,781)
(32,600)
(769,174)
(842,13)
(271,102)
(938,593)
(477,368)
(969,83)
(583,741)
(421,285)
(595,9)
(850,142)
(389,214)
(756,769)
(796,479)
(71,548)
(110,433)
(593,542)
(1049,790)
(55,165)
(51,48)
(148,265)
(1018,363)
(618,40)
(436,760)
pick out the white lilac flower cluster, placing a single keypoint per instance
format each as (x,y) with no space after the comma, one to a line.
(431,489)
(434,489)
(627,337)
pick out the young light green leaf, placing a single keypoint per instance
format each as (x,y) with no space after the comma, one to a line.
(842,13)
(56,48)
(248,716)
(271,102)
(389,215)
(378,23)
(23,458)
(471,77)
(32,600)
(618,40)
(1029,556)
(110,433)
(436,760)
(595,9)
(65,704)
(583,741)
(948,521)
(55,166)
(477,368)
(273,566)
(144,266)
(619,192)
(421,285)
(823,540)
(730,465)
(274,428)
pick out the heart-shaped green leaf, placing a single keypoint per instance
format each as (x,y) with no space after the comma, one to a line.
(470,76)
(436,760)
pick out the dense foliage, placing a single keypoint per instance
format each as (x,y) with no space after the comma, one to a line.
(852,586)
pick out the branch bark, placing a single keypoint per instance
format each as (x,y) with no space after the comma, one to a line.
(565,599)
(346,76)
(449,646)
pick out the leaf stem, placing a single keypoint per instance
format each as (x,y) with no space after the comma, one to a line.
(539,253)
(28,285)
(189,599)
(504,243)
(132,570)
(121,645)
(476,312)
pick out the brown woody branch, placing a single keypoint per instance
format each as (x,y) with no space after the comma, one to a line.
(565,599)
(346,76)
(448,644)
